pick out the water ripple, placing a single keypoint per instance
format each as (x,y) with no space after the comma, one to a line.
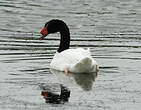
(111,29)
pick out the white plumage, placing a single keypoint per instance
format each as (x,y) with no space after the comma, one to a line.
(74,60)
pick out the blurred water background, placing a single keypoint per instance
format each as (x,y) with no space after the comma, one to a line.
(111,28)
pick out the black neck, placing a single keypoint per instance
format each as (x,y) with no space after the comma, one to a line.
(65,39)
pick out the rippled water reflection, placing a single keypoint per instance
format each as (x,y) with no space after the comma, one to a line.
(111,28)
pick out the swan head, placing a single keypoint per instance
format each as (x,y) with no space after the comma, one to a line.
(53,26)
(56,25)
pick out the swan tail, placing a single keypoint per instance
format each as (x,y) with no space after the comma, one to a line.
(83,66)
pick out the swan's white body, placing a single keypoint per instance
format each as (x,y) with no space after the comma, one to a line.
(74,60)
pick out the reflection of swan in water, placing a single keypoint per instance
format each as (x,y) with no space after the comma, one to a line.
(85,81)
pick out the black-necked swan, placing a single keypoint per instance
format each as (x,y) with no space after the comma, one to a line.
(76,60)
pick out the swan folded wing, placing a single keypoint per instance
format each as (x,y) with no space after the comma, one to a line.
(85,65)
(75,60)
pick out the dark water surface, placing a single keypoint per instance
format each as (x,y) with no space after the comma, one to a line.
(111,28)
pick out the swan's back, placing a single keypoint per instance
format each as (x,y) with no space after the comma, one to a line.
(75,60)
